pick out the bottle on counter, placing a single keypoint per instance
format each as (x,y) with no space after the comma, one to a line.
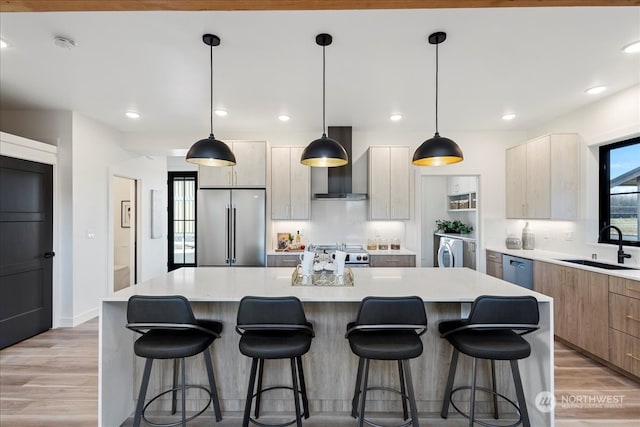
(528,238)
(395,244)
(298,238)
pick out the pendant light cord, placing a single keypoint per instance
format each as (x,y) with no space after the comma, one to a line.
(437,89)
(211,97)
(324,133)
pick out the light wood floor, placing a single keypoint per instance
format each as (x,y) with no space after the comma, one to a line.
(52,380)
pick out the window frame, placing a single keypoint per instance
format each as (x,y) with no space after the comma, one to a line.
(604,190)
(172,176)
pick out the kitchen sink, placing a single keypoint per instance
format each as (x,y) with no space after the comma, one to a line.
(597,264)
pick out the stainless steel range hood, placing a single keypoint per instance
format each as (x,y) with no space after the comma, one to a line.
(340,178)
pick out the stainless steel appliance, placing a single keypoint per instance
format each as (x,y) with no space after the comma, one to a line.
(450,253)
(231,229)
(357,256)
(518,271)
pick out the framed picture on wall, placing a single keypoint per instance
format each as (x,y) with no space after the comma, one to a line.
(125,214)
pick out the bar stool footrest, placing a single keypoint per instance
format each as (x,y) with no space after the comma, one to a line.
(192,417)
(486,390)
(287,423)
(404,396)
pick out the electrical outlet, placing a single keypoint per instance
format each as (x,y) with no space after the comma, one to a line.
(568,236)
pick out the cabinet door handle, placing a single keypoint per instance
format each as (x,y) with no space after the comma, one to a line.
(235,174)
(633,357)
(630,317)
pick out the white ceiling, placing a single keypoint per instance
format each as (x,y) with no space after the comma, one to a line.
(535,62)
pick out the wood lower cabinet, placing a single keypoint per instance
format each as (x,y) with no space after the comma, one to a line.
(624,324)
(580,305)
(392,260)
(494,264)
(625,352)
(283,260)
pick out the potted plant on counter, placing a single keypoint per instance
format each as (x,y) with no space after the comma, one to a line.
(456,226)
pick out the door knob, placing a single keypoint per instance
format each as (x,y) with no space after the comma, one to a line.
(49,254)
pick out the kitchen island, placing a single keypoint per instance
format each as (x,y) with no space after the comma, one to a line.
(330,367)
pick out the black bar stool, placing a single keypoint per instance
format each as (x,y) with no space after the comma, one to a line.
(492,331)
(274,328)
(387,328)
(170,331)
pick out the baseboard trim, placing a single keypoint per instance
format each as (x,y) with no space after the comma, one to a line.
(72,322)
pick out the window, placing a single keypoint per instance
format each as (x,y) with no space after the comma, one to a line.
(182,219)
(620,191)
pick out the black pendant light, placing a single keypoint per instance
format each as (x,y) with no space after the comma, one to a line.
(210,151)
(324,152)
(438,150)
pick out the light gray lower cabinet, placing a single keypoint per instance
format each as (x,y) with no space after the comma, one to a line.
(469,254)
(283,260)
(494,264)
(392,260)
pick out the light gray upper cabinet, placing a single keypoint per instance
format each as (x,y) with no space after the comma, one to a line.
(290,184)
(542,178)
(389,182)
(249,171)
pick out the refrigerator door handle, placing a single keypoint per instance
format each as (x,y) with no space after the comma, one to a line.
(227,239)
(233,242)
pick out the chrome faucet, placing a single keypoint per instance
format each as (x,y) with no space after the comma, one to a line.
(621,254)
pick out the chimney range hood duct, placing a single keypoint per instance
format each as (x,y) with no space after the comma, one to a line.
(339,177)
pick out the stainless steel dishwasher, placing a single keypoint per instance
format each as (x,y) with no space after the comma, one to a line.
(518,271)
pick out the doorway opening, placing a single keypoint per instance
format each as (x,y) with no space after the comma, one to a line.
(182,219)
(125,208)
(449,200)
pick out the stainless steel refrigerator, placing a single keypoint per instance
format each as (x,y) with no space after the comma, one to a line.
(231,228)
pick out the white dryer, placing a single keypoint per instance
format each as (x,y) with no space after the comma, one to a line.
(450,252)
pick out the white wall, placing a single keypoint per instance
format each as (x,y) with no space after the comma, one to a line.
(54,128)
(614,118)
(484,156)
(88,153)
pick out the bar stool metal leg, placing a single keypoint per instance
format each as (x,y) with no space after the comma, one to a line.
(493,384)
(174,393)
(143,392)
(522,403)
(296,397)
(184,393)
(259,391)
(356,391)
(363,392)
(250,388)
(447,392)
(412,398)
(212,386)
(403,390)
(303,388)
(472,403)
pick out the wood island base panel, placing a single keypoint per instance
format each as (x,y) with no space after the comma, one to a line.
(330,368)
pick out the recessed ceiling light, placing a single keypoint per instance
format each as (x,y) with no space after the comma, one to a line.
(632,47)
(132,115)
(3,44)
(596,90)
(508,116)
(395,117)
(284,117)
(64,42)
(221,113)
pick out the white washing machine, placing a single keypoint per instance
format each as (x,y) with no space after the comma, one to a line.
(450,252)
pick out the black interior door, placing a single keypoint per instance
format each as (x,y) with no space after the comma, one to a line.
(26,244)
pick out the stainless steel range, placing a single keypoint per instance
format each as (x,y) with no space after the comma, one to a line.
(357,256)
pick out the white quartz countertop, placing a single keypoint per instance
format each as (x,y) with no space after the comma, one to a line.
(555,257)
(232,283)
(401,251)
